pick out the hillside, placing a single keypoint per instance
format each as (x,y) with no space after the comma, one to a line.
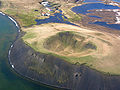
(76,45)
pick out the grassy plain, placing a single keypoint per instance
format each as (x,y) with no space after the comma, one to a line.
(103,53)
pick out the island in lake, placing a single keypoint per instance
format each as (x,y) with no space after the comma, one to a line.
(68,44)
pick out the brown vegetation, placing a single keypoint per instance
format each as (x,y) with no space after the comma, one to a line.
(97,49)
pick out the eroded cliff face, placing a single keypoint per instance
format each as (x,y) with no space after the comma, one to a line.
(54,71)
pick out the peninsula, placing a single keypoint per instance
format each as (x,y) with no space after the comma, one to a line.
(65,49)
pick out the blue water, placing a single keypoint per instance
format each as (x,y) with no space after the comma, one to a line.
(94,16)
(8,33)
(116,0)
(113,26)
(8,79)
(83,9)
(57,18)
(91,1)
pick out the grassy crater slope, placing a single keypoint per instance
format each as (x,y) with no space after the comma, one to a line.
(68,43)
(76,45)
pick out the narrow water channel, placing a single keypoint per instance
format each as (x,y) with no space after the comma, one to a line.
(8,79)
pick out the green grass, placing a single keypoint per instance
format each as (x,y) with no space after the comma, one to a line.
(75,18)
(68,39)
(27,19)
(10,12)
(88,60)
(73,60)
(29,35)
(81,60)
(90,57)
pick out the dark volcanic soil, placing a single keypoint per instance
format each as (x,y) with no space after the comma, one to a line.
(57,72)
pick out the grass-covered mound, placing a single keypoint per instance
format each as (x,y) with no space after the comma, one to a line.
(76,45)
(67,43)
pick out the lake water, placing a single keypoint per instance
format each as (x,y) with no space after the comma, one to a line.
(8,79)
(116,0)
(94,16)
(113,26)
(91,1)
(57,18)
(84,10)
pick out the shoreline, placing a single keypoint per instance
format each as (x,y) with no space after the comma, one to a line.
(19,31)
(84,70)
(9,54)
(12,45)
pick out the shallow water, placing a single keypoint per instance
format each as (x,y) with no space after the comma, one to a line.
(94,16)
(84,8)
(113,26)
(116,0)
(91,1)
(57,18)
(8,79)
